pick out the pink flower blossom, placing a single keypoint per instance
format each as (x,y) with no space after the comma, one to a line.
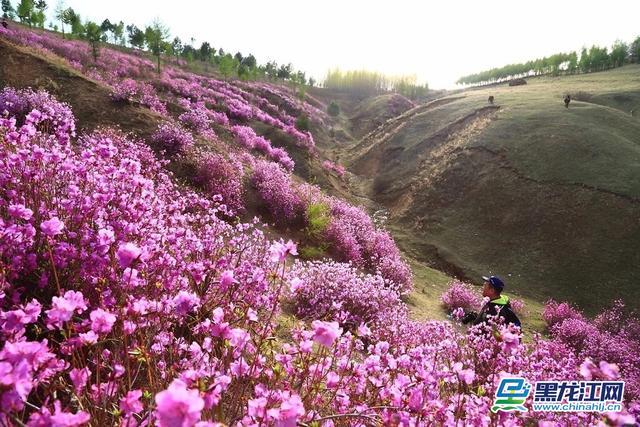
(67,419)
(325,333)
(79,378)
(257,407)
(279,250)
(178,406)
(290,410)
(610,371)
(89,337)
(52,227)
(130,404)
(295,284)
(332,379)
(101,321)
(227,279)
(466,375)
(20,211)
(587,369)
(185,302)
(127,253)
(62,308)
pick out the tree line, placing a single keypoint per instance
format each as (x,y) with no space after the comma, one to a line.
(371,82)
(155,38)
(590,60)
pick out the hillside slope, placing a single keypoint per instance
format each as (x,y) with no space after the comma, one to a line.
(544,195)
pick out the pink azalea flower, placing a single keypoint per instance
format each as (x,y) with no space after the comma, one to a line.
(257,407)
(363,330)
(466,375)
(67,419)
(416,399)
(279,251)
(290,410)
(52,227)
(295,284)
(185,302)
(587,369)
(325,333)
(227,279)
(130,404)
(88,337)
(20,211)
(101,321)
(332,379)
(127,253)
(79,378)
(178,406)
(62,308)
(610,371)
(510,339)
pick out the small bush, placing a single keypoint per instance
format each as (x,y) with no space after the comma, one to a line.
(461,295)
(312,252)
(302,123)
(174,139)
(333,109)
(318,217)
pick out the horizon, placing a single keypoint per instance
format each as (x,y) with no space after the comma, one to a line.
(394,51)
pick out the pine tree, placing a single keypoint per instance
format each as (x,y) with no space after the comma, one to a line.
(7,10)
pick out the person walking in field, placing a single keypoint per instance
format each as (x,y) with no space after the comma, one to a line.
(567,100)
(498,304)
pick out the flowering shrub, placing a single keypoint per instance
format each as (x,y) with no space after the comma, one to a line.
(129,90)
(461,295)
(329,290)
(333,167)
(249,139)
(355,238)
(172,138)
(219,118)
(124,91)
(556,312)
(613,336)
(197,119)
(517,306)
(220,176)
(39,111)
(273,187)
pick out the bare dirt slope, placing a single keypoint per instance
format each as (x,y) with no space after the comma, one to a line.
(90,100)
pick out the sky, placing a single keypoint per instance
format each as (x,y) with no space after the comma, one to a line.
(438,41)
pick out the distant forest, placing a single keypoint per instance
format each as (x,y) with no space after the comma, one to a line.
(590,60)
(370,82)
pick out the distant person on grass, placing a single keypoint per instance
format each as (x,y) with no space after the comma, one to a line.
(567,100)
(498,304)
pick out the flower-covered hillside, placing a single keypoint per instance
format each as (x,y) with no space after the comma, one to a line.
(126,299)
(203,124)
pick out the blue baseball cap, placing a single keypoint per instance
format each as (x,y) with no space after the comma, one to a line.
(494,281)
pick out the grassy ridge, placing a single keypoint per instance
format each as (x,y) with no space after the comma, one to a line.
(544,195)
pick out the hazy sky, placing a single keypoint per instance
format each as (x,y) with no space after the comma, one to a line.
(438,41)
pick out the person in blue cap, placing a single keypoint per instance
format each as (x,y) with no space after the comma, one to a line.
(498,304)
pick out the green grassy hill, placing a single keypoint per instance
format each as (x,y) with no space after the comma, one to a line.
(546,196)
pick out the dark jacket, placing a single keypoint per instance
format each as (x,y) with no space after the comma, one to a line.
(499,306)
